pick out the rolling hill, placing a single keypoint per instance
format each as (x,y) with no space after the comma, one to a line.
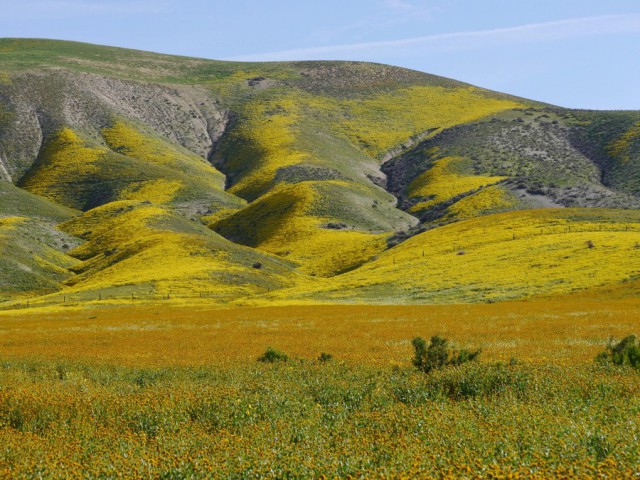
(135,176)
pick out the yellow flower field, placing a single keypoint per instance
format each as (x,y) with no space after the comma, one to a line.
(497,257)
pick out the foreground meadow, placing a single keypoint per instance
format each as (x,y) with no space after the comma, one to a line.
(175,392)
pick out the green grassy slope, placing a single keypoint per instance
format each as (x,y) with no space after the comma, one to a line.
(17,202)
(33,257)
(612,139)
(279,127)
(83,174)
(32,261)
(335,146)
(304,222)
(20,54)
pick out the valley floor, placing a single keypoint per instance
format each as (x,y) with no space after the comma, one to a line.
(562,330)
(176,392)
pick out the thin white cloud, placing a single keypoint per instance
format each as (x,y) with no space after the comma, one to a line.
(386,14)
(471,40)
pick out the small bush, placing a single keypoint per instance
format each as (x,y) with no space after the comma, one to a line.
(626,352)
(272,355)
(325,357)
(438,354)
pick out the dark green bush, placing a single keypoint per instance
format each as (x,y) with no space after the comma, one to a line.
(625,352)
(325,357)
(438,354)
(272,355)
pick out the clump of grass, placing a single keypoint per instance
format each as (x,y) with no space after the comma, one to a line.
(624,353)
(271,355)
(439,354)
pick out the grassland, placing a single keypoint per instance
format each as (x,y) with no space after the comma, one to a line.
(176,392)
(544,156)
(33,253)
(297,146)
(289,222)
(446,180)
(18,202)
(143,250)
(30,263)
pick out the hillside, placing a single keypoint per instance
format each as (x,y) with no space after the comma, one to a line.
(501,257)
(141,176)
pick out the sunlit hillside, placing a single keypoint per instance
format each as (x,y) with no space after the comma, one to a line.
(499,257)
(130,176)
(142,250)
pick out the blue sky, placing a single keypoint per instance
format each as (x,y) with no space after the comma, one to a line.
(582,54)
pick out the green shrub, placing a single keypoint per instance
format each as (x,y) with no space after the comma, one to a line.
(438,354)
(625,352)
(325,357)
(272,355)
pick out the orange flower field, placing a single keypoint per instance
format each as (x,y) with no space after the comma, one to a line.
(176,392)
